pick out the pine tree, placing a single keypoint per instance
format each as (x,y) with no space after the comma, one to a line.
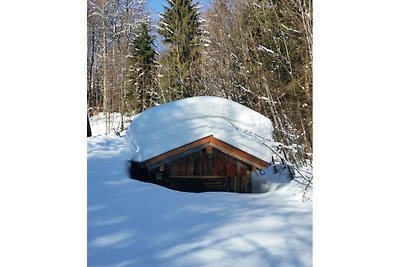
(180,29)
(142,89)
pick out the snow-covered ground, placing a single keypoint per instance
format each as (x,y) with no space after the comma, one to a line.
(98,125)
(137,224)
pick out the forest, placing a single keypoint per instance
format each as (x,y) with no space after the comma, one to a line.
(255,52)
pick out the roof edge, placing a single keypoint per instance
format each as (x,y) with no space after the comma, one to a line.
(205,142)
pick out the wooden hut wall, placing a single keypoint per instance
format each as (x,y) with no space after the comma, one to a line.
(207,163)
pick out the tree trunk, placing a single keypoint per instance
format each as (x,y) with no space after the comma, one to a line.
(89,129)
(105,89)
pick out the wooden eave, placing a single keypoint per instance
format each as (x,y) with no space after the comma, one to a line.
(203,143)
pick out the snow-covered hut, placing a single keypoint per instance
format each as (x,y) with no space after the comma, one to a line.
(199,144)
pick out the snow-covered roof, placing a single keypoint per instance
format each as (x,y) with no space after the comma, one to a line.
(174,124)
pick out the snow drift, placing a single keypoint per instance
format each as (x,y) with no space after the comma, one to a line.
(131,223)
(168,126)
(270,179)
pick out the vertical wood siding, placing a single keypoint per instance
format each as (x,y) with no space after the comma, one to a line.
(204,170)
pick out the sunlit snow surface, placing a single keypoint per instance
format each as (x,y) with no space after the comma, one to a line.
(98,125)
(137,224)
(168,126)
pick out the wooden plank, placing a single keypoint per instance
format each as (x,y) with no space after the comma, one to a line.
(209,164)
(199,185)
(205,143)
(164,159)
(239,154)
(190,165)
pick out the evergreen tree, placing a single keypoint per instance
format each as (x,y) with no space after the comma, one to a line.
(180,29)
(260,55)
(142,89)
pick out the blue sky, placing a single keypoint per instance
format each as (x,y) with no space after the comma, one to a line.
(155,6)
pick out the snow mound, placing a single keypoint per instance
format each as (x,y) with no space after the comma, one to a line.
(270,179)
(168,126)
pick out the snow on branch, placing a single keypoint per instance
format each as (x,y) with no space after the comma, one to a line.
(244,88)
(96,13)
(263,48)
(266,99)
(289,29)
